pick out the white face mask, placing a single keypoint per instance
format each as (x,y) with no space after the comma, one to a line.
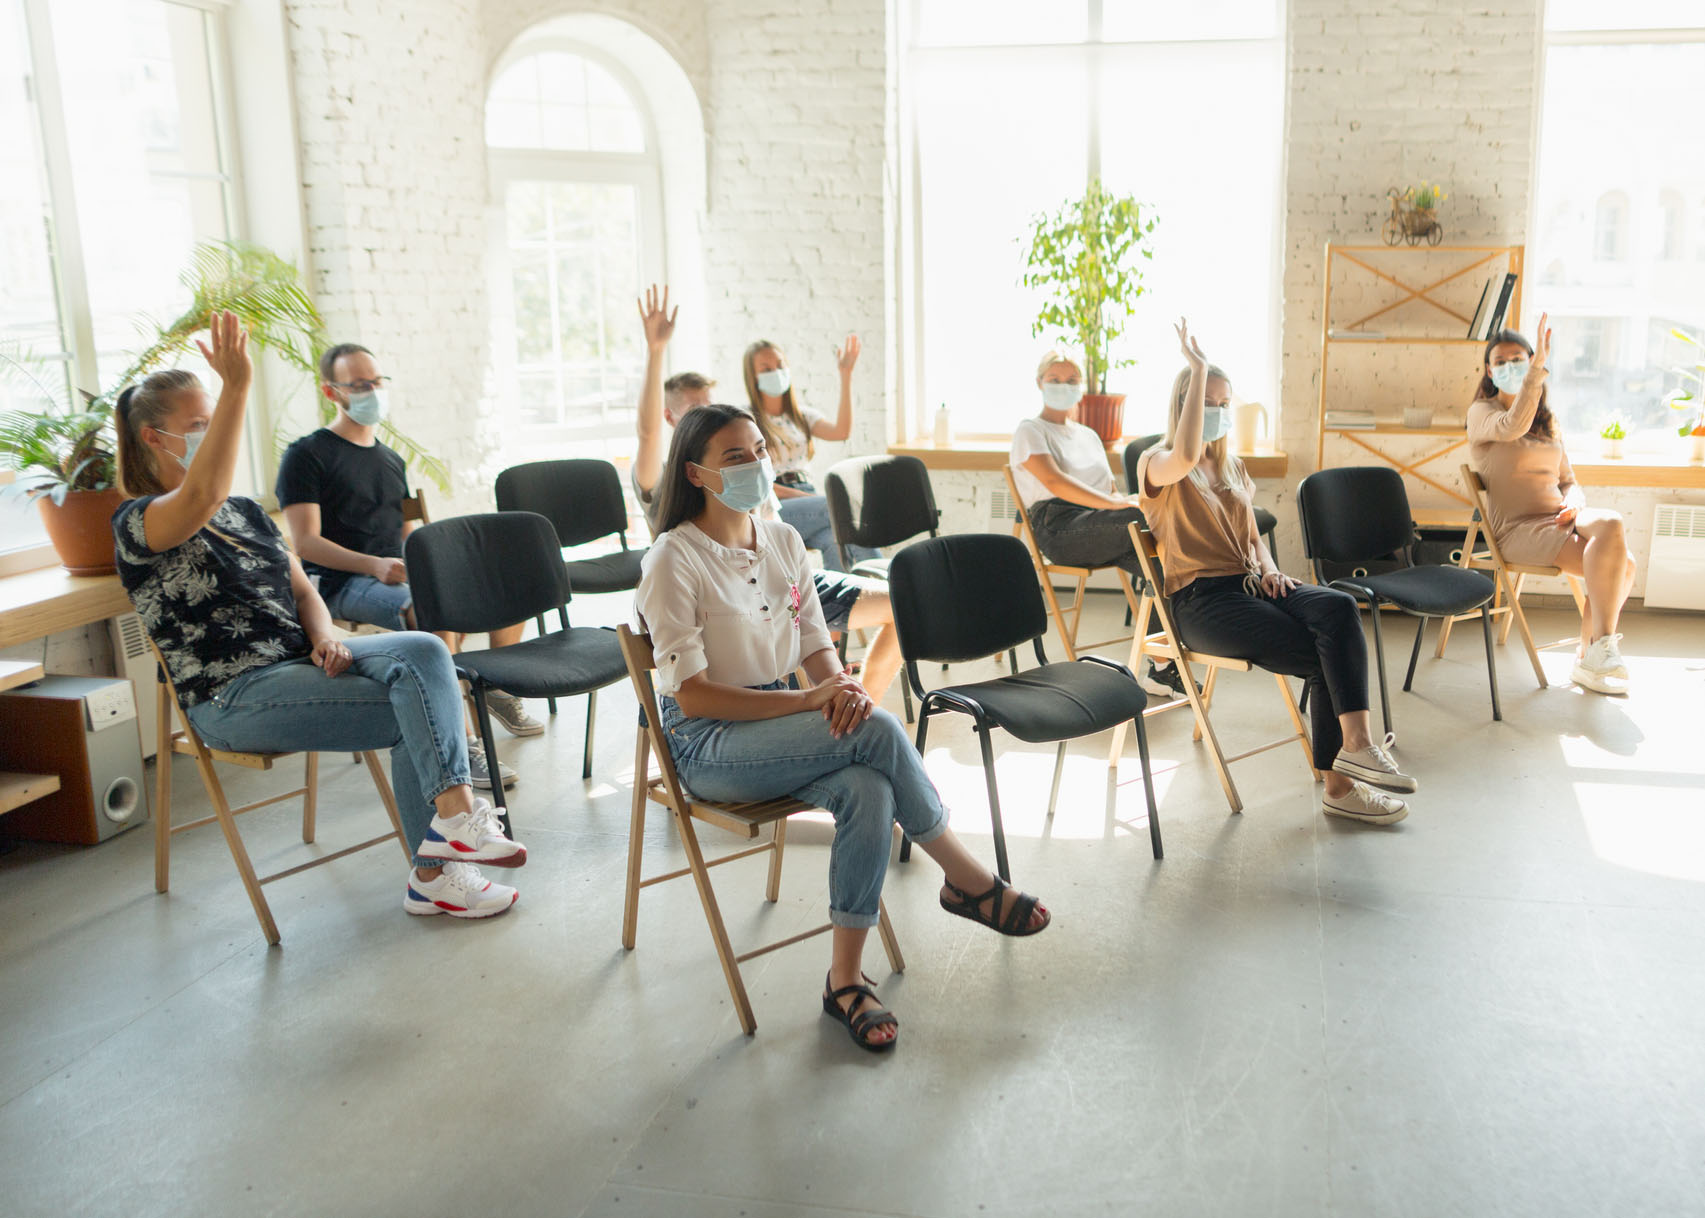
(774,382)
(1508,377)
(1061,395)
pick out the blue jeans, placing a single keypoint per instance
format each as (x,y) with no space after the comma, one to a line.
(399,693)
(869,779)
(361,598)
(809,514)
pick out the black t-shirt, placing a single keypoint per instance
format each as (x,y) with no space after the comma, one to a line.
(216,605)
(360,492)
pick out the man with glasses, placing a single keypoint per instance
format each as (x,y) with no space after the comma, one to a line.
(342,491)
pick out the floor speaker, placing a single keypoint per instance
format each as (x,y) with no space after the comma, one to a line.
(83,729)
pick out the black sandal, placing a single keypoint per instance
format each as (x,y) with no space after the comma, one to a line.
(861,1023)
(1017,920)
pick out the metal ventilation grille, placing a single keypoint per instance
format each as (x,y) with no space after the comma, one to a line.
(132,638)
(1000,507)
(1679,520)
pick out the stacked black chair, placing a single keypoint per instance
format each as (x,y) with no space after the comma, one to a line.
(582,499)
(474,574)
(1360,513)
(972,595)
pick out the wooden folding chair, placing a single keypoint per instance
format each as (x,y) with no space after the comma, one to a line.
(1509,578)
(1163,642)
(745,820)
(185,741)
(1045,571)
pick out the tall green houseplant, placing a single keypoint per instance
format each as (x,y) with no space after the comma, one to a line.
(1089,257)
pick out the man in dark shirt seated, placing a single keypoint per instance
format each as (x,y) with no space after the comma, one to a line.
(342,492)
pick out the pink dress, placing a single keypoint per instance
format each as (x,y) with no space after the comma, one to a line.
(1528,481)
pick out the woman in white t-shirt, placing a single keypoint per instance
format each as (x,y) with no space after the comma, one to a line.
(728,601)
(790,430)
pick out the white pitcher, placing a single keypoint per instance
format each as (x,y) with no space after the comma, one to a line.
(1248,422)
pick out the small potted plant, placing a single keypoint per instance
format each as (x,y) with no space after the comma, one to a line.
(1611,436)
(1691,400)
(65,461)
(1088,257)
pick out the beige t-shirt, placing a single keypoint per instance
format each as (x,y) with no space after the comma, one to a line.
(1076,449)
(1199,534)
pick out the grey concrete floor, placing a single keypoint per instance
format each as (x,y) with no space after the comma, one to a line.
(1491,1008)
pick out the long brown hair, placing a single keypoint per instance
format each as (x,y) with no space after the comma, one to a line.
(1544,422)
(677,498)
(789,407)
(145,404)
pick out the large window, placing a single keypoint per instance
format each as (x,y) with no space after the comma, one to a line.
(575,174)
(1619,181)
(114,167)
(1011,109)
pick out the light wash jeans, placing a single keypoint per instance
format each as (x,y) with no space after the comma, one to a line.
(869,778)
(399,693)
(361,598)
(809,514)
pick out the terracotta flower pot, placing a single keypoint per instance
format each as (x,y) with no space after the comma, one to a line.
(81,530)
(1104,414)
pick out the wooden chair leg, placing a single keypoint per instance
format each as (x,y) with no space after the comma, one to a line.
(1077,611)
(163,791)
(636,840)
(1519,619)
(310,794)
(1514,593)
(890,943)
(239,854)
(1066,636)
(388,797)
(718,931)
(1208,683)
(1205,729)
(1298,721)
(778,843)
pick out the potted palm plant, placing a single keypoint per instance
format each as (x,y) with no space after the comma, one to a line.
(1088,256)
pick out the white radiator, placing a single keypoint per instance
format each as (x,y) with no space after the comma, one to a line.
(1000,510)
(131,658)
(1675,574)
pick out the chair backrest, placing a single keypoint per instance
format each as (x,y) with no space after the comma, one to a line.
(1154,585)
(1354,514)
(1135,449)
(414,507)
(1477,494)
(965,596)
(581,497)
(478,573)
(880,501)
(641,663)
(174,723)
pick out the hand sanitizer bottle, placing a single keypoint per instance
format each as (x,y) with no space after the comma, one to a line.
(943,427)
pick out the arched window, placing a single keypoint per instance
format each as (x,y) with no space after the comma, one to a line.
(1671,225)
(575,176)
(1610,227)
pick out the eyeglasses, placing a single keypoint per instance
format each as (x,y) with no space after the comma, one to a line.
(378,382)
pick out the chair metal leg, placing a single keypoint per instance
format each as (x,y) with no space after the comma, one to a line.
(1414,654)
(906,698)
(591,717)
(923,731)
(1491,664)
(994,803)
(1379,655)
(493,768)
(1148,789)
(1012,661)
(1059,764)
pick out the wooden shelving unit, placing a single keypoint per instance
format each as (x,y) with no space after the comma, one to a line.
(1425,297)
(16,790)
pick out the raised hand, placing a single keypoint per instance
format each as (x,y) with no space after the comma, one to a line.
(657,317)
(1191,348)
(229,355)
(1541,347)
(846,355)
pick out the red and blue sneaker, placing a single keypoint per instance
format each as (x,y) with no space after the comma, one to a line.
(471,837)
(460,891)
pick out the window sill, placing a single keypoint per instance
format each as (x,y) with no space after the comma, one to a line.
(1642,470)
(981,453)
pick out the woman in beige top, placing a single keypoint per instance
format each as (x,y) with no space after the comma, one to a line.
(1536,511)
(1229,598)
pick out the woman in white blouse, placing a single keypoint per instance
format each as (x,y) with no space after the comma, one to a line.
(728,601)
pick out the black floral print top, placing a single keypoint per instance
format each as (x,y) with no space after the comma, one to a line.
(217,605)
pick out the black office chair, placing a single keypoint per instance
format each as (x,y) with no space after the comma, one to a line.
(477,573)
(970,595)
(582,499)
(1360,513)
(1265,521)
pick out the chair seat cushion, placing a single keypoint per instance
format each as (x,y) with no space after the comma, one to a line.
(559,665)
(1427,591)
(618,572)
(1058,701)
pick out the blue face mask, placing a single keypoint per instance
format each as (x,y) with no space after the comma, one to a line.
(1508,377)
(1061,395)
(1216,421)
(774,382)
(745,487)
(192,441)
(367,408)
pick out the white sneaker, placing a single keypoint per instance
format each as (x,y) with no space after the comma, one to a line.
(479,774)
(472,837)
(1601,669)
(460,891)
(1374,765)
(508,710)
(1365,804)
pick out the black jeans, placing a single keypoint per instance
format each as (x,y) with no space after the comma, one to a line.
(1311,632)
(1086,537)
